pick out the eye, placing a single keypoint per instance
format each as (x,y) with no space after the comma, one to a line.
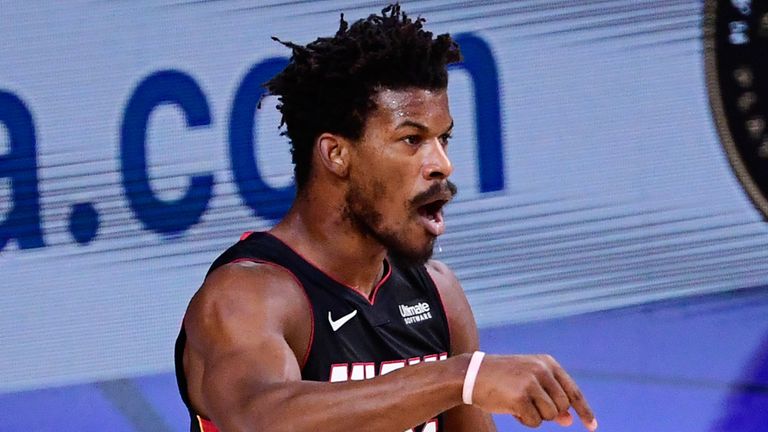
(444,138)
(412,140)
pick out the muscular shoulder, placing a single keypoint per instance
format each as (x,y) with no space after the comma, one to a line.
(444,278)
(439,268)
(449,288)
(243,296)
(250,278)
(245,314)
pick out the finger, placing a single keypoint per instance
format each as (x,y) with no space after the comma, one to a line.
(564,419)
(528,414)
(577,399)
(555,392)
(544,404)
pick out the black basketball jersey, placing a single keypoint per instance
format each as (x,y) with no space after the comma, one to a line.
(353,337)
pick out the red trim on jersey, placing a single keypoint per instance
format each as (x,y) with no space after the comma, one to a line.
(206,425)
(246,235)
(371,300)
(304,290)
(445,313)
(381,282)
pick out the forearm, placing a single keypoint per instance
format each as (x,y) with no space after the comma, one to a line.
(393,402)
(467,418)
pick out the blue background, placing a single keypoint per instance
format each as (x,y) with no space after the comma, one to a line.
(598,218)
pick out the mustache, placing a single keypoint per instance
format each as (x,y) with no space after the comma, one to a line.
(438,191)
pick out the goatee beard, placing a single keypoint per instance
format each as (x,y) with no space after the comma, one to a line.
(402,258)
(361,213)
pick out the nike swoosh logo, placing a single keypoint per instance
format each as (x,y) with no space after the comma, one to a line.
(335,325)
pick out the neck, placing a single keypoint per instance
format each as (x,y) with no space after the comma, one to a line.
(316,229)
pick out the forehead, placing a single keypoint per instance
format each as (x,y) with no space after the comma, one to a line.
(427,107)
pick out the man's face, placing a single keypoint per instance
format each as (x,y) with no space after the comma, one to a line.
(399,171)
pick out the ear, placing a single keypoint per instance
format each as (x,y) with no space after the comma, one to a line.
(334,153)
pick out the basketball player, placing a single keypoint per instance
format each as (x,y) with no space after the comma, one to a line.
(336,319)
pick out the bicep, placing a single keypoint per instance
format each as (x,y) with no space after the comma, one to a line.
(232,378)
(236,341)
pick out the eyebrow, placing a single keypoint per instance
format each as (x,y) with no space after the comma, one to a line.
(419,126)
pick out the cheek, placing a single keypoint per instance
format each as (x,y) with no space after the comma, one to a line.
(393,203)
(378,190)
(380,197)
(388,188)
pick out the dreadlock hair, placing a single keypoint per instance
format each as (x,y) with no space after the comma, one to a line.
(329,84)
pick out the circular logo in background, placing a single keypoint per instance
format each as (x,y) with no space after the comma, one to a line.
(736,51)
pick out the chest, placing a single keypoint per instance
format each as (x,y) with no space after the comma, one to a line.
(354,337)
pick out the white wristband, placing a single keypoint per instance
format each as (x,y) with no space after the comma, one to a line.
(471,376)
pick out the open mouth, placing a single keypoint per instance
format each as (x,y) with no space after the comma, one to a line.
(431,215)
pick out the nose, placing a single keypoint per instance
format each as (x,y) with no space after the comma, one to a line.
(437,165)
